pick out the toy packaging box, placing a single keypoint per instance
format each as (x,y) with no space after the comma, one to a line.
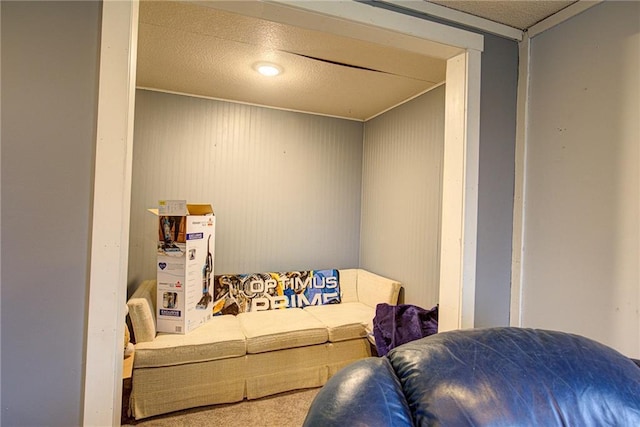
(186,241)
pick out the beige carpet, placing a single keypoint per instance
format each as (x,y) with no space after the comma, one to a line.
(282,410)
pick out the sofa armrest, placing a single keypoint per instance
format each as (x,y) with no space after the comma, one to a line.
(142,311)
(374,289)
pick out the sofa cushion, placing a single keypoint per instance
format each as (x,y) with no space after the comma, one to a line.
(278,329)
(344,321)
(348,285)
(219,338)
(374,289)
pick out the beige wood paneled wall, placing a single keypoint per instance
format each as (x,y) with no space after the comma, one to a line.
(285,186)
(401,195)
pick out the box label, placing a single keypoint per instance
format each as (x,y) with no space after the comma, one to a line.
(172,207)
(173,313)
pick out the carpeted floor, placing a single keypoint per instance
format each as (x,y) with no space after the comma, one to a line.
(282,410)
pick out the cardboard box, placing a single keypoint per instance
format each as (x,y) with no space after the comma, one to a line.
(186,241)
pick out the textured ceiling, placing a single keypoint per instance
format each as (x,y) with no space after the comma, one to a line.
(190,48)
(514,13)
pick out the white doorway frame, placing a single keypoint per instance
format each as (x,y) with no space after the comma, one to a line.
(112,186)
(102,393)
(458,241)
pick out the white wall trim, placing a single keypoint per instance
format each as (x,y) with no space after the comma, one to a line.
(472,167)
(434,87)
(463,18)
(365,23)
(171,92)
(558,18)
(252,104)
(113,159)
(517,251)
(111,207)
(376,17)
(460,193)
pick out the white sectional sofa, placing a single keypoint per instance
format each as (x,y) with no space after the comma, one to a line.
(253,354)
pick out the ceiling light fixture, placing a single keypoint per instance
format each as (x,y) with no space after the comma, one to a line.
(268,69)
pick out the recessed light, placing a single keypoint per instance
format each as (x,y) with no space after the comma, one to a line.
(268,69)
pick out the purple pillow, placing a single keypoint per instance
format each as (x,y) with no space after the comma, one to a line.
(394,325)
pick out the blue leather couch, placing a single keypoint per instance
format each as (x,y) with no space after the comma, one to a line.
(485,377)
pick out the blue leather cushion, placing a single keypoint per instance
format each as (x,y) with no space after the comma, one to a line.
(513,376)
(365,393)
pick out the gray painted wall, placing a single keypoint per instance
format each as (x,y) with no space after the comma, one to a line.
(49,96)
(401,196)
(496,181)
(582,217)
(285,186)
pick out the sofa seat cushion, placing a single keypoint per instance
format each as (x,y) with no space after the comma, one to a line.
(279,329)
(345,321)
(220,338)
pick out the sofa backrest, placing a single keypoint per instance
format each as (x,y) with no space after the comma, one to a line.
(373,289)
(356,285)
(142,311)
(348,285)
